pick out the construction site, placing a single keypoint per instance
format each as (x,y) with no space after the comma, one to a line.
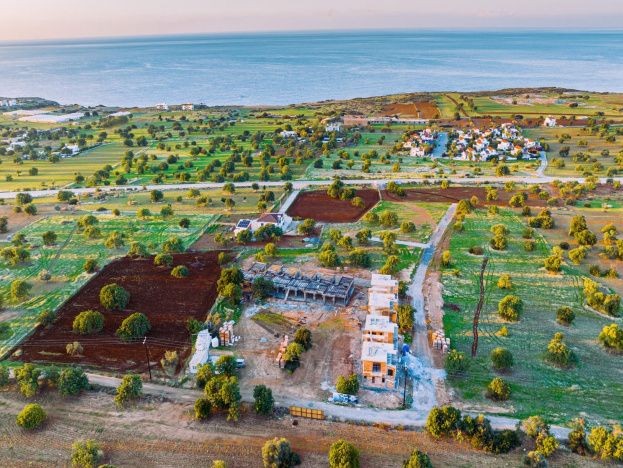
(291,284)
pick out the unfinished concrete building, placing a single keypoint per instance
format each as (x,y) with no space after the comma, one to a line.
(290,283)
(379,348)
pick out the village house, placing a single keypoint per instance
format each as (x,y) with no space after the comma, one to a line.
(289,134)
(188,107)
(162,106)
(8,102)
(280,220)
(333,127)
(421,143)
(549,122)
(378,363)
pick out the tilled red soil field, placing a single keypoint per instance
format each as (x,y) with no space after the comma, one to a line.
(321,207)
(454,194)
(168,303)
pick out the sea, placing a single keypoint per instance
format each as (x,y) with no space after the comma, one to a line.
(286,68)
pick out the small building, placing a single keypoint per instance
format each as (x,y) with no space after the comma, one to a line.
(162,106)
(242,225)
(280,220)
(202,351)
(378,363)
(549,122)
(188,107)
(333,127)
(289,134)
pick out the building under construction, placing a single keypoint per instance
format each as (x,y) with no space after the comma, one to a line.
(290,283)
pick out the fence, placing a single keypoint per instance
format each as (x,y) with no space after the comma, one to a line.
(310,413)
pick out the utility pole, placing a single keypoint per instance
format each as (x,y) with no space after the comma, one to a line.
(147,355)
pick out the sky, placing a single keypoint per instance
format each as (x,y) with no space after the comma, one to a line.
(59,19)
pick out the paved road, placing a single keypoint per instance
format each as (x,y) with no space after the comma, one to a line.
(419,245)
(288,201)
(302,184)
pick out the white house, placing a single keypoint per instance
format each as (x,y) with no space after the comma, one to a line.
(504,145)
(289,134)
(280,220)
(549,122)
(8,102)
(333,127)
(202,351)
(417,152)
(188,107)
(69,150)
(162,106)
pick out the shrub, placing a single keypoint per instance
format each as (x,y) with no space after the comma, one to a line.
(203,409)
(90,265)
(498,390)
(558,353)
(72,380)
(113,296)
(565,315)
(606,443)
(348,385)
(137,250)
(264,401)
(534,425)
(31,416)
(407,227)
(27,377)
(553,263)
(510,307)
(85,454)
(577,442)
(476,250)
(180,271)
(303,337)
(133,327)
(130,388)
(611,337)
(456,362)
(20,290)
(529,245)
(163,259)
(446,258)
(502,359)
(74,348)
(505,282)
(536,459)
(4,376)
(546,444)
(343,454)
(417,460)
(88,322)
(442,421)
(277,453)
(46,317)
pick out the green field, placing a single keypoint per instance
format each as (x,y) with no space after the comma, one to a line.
(591,387)
(600,155)
(64,261)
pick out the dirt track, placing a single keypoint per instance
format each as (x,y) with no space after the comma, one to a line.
(163,434)
(168,303)
(319,206)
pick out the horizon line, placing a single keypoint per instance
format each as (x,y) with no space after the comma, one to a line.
(514,30)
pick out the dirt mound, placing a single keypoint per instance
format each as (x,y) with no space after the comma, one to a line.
(321,207)
(168,303)
(454,194)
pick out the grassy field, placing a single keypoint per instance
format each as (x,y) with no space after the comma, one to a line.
(579,140)
(64,261)
(590,388)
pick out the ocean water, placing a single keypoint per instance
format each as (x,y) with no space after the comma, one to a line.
(282,68)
